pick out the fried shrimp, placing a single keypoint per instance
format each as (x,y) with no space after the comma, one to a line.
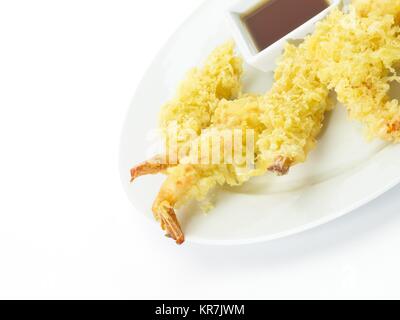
(192,108)
(198,95)
(193,180)
(357,54)
(294,111)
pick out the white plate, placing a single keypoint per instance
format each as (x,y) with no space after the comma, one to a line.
(342,174)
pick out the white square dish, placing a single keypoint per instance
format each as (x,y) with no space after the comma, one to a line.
(265,60)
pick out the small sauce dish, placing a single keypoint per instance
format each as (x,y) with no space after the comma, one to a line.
(250,20)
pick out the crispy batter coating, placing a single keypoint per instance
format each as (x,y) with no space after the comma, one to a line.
(378,8)
(294,110)
(198,95)
(357,54)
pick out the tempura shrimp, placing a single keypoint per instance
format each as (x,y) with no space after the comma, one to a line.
(295,108)
(357,55)
(191,110)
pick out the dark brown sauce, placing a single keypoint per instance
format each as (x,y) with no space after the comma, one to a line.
(276,18)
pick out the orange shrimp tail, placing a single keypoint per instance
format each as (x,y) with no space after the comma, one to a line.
(169,223)
(153,166)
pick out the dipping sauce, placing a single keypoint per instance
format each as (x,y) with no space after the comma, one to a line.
(275,19)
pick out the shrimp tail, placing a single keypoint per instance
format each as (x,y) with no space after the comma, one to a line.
(178,185)
(166,215)
(153,166)
(281,166)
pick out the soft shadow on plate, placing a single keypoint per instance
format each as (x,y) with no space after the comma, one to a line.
(361,224)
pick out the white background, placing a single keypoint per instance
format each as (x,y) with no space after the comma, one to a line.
(68,70)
